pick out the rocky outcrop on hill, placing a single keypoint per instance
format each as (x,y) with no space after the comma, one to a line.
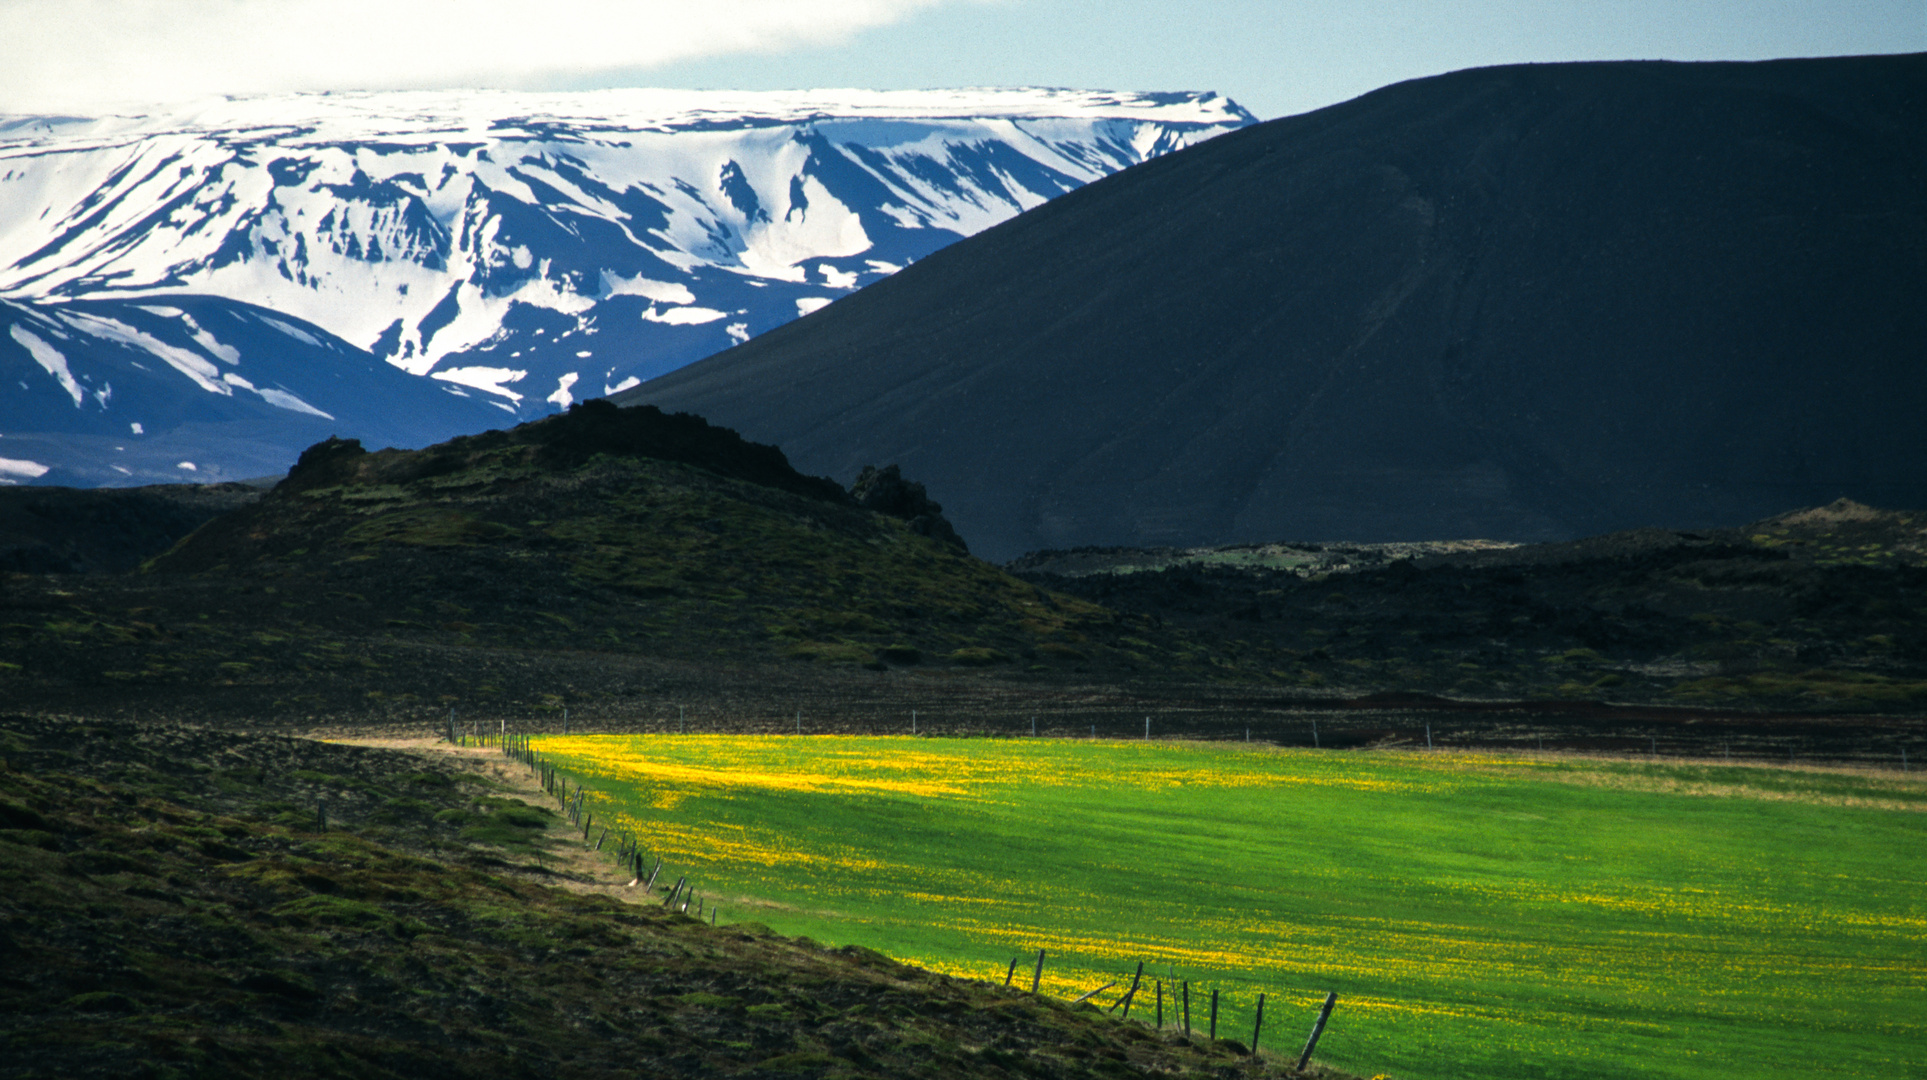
(887,492)
(561,442)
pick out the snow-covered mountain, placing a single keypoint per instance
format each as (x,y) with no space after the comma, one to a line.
(222,285)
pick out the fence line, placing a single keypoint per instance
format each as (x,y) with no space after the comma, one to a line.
(1888,755)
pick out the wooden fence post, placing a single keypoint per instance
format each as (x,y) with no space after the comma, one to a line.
(1136,981)
(1187,1008)
(1160,1020)
(1037,979)
(1259,1026)
(1214,1016)
(1082,998)
(1317,1029)
(1012,973)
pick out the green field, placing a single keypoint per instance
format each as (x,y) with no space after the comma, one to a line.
(1478,915)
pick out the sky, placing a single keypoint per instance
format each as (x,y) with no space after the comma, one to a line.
(1275,57)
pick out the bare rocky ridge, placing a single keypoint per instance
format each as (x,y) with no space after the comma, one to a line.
(887,492)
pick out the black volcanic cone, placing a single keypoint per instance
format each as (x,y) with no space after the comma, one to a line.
(1526,302)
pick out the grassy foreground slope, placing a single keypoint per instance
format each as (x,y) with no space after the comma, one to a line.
(1479,916)
(168,909)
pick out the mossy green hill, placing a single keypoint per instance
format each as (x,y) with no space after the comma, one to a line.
(626,564)
(623,530)
(503,568)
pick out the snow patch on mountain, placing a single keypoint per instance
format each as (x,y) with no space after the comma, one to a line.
(12,470)
(50,358)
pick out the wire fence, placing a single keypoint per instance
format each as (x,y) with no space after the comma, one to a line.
(1889,743)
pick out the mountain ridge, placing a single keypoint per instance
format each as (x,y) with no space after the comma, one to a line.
(1530,302)
(520,251)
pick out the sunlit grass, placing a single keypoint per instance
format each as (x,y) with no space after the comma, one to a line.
(1478,915)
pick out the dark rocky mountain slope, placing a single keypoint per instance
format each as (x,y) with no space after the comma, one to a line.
(1525,303)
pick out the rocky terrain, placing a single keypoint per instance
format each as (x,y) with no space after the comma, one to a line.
(637,570)
(1822,609)
(533,569)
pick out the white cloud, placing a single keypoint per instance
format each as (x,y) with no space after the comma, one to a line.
(104,52)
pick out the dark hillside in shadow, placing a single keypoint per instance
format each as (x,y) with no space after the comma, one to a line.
(1526,303)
